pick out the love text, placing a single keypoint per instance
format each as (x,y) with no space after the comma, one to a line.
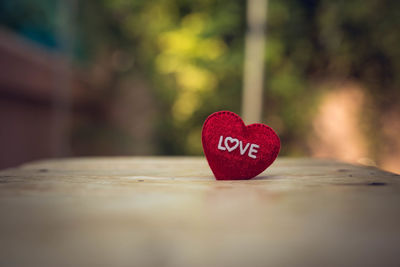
(231,144)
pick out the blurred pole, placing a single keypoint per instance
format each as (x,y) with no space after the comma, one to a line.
(62,89)
(254,61)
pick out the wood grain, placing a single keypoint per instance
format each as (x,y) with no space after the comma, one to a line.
(170,211)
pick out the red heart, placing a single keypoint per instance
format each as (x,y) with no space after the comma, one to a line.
(235,151)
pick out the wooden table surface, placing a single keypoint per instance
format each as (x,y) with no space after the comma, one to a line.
(169,211)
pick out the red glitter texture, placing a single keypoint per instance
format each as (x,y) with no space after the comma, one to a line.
(233,165)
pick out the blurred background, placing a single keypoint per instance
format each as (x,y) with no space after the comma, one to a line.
(136,77)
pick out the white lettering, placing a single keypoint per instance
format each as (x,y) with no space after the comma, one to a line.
(231,144)
(231,140)
(253,150)
(220,142)
(242,151)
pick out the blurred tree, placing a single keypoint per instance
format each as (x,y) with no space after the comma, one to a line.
(191,55)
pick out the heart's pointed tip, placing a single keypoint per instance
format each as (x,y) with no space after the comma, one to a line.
(232,179)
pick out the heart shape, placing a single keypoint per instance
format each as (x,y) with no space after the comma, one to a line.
(231,140)
(235,151)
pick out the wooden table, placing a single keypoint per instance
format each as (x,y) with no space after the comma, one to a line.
(171,212)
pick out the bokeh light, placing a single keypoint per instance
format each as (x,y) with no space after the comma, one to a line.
(139,77)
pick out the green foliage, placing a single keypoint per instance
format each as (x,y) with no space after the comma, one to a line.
(191,52)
